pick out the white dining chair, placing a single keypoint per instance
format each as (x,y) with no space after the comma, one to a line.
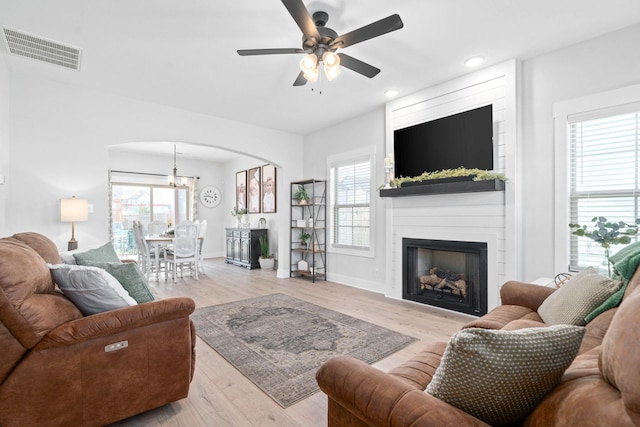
(150,261)
(184,252)
(202,234)
(156,228)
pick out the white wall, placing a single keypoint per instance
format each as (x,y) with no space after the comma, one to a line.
(59,137)
(277,233)
(364,131)
(4,142)
(59,147)
(601,64)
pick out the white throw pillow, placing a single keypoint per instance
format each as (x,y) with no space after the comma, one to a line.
(68,258)
(91,289)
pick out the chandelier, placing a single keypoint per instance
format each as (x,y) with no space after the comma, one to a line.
(174,180)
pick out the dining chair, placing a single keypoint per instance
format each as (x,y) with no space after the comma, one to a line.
(149,259)
(202,233)
(184,252)
(156,228)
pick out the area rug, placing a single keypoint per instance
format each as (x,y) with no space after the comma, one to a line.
(279,342)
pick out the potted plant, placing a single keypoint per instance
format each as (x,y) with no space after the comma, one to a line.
(301,195)
(304,236)
(238,214)
(265,259)
(607,234)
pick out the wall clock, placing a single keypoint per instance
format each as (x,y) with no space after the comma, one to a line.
(210,196)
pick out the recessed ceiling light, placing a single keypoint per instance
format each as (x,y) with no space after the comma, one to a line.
(391,93)
(474,61)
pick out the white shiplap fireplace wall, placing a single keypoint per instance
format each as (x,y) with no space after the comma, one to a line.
(488,217)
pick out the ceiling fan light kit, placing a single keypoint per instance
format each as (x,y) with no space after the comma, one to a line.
(320,44)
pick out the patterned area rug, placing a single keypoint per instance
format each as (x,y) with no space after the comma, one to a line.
(279,342)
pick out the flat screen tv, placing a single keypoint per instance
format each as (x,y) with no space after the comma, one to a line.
(461,140)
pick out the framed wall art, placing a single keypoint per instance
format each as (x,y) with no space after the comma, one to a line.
(253,196)
(268,188)
(241,190)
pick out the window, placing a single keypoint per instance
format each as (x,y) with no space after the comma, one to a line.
(604,177)
(144,198)
(351,207)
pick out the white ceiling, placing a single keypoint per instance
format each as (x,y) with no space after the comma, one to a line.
(183,53)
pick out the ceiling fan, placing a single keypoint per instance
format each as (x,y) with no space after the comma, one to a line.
(320,44)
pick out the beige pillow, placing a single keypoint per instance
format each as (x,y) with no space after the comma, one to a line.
(500,376)
(577,297)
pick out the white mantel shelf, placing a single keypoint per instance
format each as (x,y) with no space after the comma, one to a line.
(426,188)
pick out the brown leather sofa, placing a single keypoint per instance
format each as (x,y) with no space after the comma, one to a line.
(55,369)
(600,388)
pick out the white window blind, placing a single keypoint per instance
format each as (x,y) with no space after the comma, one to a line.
(604,178)
(351,204)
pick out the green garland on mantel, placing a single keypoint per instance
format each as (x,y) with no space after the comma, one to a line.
(478,175)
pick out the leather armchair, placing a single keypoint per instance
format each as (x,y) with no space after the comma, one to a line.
(60,368)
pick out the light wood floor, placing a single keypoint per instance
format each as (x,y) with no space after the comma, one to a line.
(221,396)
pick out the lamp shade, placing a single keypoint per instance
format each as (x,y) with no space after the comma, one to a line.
(74,210)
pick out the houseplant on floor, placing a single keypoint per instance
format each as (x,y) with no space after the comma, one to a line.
(265,259)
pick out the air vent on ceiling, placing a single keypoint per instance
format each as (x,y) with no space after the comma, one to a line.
(40,49)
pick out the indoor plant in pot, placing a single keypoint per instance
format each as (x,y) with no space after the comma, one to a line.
(265,259)
(238,214)
(607,233)
(304,236)
(301,195)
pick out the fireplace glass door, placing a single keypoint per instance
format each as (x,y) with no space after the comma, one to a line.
(447,274)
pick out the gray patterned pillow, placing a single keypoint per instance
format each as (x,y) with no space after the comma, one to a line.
(577,297)
(500,376)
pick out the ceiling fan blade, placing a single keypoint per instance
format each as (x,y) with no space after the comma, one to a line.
(301,15)
(300,80)
(378,28)
(247,52)
(358,66)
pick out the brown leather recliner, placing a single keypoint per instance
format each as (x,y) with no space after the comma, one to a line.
(600,388)
(59,368)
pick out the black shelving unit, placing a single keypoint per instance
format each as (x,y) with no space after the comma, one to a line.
(309,217)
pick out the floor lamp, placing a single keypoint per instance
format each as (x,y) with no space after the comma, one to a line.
(73,210)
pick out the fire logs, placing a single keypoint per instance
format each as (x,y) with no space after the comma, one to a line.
(439,279)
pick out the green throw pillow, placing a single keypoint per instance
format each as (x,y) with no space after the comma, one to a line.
(577,297)
(500,376)
(104,253)
(131,279)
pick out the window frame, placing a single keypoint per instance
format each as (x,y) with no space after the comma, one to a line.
(609,103)
(342,159)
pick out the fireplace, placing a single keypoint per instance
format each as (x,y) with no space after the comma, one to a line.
(447,274)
